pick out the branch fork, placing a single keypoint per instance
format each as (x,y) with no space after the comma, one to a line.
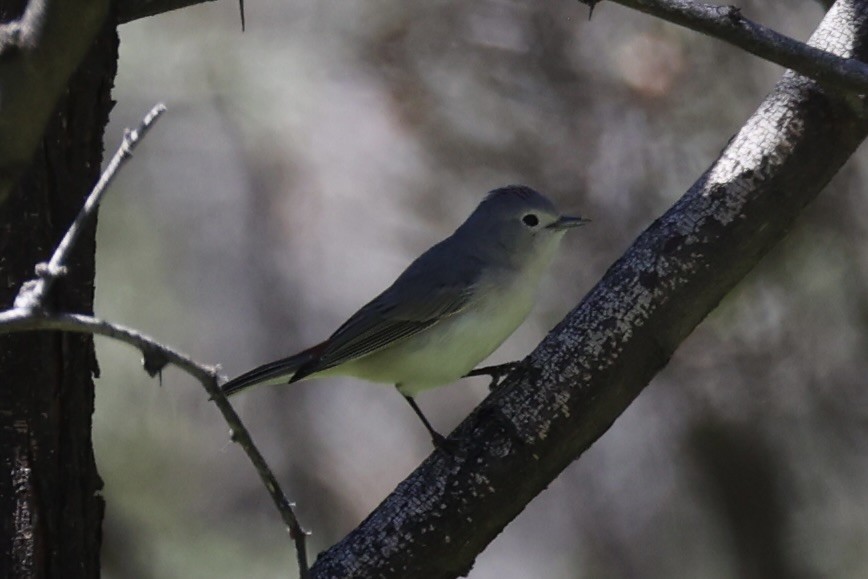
(29,313)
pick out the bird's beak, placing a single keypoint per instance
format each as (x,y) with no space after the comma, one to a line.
(566,222)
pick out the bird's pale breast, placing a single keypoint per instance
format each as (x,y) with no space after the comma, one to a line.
(449,349)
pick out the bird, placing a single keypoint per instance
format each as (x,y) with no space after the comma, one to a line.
(449,310)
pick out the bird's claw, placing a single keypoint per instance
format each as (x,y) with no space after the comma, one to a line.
(446,446)
(497,373)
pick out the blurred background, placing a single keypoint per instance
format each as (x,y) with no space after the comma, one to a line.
(302,165)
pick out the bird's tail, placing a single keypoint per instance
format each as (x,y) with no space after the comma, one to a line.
(277,372)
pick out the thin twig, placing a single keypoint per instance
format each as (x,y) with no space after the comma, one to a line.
(727,23)
(29,314)
(32,295)
(156,357)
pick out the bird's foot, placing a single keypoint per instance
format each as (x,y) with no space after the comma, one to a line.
(497,373)
(446,446)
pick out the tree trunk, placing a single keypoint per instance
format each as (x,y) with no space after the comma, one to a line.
(49,487)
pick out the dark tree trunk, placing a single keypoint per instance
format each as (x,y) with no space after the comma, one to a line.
(49,487)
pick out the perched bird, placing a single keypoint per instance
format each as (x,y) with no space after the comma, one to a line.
(451,308)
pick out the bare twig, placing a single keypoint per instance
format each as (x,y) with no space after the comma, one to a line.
(28,314)
(32,294)
(728,24)
(156,356)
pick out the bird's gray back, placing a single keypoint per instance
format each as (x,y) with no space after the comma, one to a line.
(438,284)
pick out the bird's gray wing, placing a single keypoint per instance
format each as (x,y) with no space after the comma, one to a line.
(427,292)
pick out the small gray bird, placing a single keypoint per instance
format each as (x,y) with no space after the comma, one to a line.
(451,308)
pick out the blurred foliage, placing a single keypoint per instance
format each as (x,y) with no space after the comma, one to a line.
(304,163)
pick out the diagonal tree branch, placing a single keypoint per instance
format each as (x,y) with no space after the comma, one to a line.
(595,362)
(841,71)
(38,53)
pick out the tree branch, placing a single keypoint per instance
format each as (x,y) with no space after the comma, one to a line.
(129,10)
(30,314)
(156,357)
(595,362)
(728,24)
(38,53)
(32,294)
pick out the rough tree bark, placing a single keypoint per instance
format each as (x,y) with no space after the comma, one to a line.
(50,506)
(592,366)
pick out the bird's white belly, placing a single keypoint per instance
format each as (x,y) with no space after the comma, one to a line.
(449,349)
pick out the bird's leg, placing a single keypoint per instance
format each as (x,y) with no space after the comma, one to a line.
(496,372)
(438,439)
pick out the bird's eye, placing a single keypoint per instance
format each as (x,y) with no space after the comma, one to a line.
(530,220)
